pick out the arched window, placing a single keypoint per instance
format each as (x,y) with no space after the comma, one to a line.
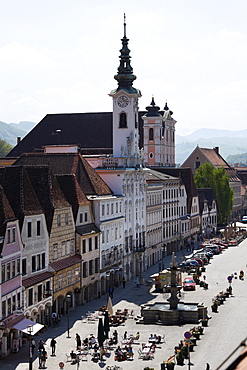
(123,120)
(151,134)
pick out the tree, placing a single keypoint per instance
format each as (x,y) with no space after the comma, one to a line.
(216,178)
(5,148)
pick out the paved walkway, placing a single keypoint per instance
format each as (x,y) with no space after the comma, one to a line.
(131,298)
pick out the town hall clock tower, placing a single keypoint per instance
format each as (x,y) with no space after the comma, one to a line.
(125,107)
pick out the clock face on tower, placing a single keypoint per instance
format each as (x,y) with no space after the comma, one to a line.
(123,101)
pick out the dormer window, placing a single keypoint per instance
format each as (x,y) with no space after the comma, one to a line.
(122,120)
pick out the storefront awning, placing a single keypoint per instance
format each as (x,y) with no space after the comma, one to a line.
(23,326)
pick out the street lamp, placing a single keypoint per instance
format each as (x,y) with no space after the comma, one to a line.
(68,298)
(30,331)
(107,286)
(140,266)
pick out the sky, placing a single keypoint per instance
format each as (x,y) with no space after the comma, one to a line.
(60,56)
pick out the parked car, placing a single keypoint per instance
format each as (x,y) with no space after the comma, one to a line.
(202,256)
(192,262)
(199,260)
(189,284)
(223,245)
(214,248)
(209,252)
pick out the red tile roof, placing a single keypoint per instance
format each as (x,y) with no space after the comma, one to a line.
(20,193)
(36,279)
(65,262)
(214,157)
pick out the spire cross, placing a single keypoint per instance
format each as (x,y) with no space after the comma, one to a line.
(124,25)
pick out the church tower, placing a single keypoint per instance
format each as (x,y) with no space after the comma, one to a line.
(125,107)
(169,137)
(159,137)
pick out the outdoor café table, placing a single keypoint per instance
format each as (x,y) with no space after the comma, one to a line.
(146,350)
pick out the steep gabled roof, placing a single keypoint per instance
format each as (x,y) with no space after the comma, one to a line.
(68,164)
(88,130)
(47,190)
(20,192)
(6,213)
(214,157)
(72,192)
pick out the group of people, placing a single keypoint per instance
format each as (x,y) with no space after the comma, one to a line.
(89,342)
(122,354)
(154,338)
(42,353)
(114,339)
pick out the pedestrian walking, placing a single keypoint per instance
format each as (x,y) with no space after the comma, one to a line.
(41,345)
(53,346)
(43,358)
(40,354)
(111,292)
(53,318)
(124,282)
(78,341)
(33,344)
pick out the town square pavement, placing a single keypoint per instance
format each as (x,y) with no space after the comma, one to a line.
(132,298)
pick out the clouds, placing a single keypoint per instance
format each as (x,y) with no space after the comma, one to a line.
(60,57)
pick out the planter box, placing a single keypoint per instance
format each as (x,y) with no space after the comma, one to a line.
(180,360)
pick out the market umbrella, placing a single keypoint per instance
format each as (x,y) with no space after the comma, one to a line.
(109,306)
(106,325)
(101,332)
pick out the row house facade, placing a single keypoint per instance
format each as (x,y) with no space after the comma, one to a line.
(34,236)
(87,239)
(10,278)
(108,212)
(61,231)
(154,214)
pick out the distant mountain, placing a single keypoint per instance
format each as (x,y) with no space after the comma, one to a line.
(24,125)
(208,133)
(10,133)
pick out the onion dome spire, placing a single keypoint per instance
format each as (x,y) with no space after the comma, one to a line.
(153,109)
(166,108)
(125,76)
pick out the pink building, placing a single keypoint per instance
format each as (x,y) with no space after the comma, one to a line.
(10,278)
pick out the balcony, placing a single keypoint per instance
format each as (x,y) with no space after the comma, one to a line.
(47,293)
